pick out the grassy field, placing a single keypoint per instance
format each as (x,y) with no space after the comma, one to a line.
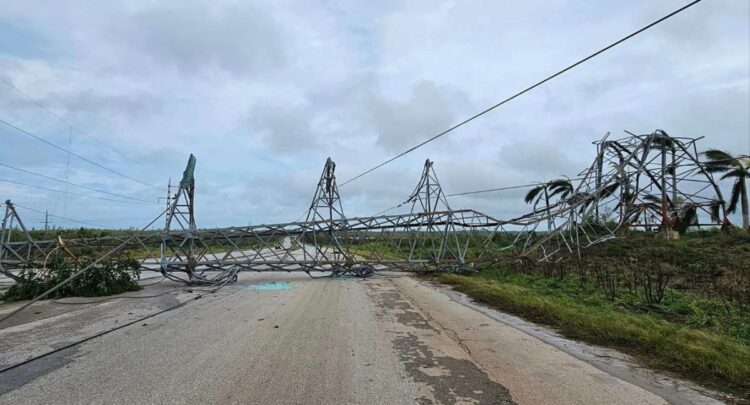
(680,306)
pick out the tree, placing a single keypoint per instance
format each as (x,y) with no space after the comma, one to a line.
(535,196)
(561,187)
(737,168)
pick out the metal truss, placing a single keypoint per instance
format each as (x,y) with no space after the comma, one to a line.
(16,253)
(653,182)
(645,182)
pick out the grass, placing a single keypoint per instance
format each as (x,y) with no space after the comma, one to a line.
(702,247)
(711,352)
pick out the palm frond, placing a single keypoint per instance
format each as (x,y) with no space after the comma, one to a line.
(736,191)
(609,189)
(533,193)
(563,187)
(716,167)
(715,210)
(716,155)
(737,173)
(560,183)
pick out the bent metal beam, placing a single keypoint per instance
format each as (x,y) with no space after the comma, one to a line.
(651,181)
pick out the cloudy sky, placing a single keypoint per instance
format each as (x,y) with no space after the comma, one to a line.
(262,93)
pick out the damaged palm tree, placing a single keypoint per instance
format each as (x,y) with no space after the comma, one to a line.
(738,169)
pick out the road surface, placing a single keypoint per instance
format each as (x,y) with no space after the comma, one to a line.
(288,339)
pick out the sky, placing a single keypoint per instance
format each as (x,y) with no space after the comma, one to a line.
(263,92)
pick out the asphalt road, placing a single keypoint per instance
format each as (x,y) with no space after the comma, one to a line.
(288,339)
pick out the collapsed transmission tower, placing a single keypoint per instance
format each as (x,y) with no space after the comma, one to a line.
(326,238)
(652,182)
(182,248)
(15,253)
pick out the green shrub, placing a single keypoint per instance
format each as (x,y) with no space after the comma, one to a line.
(108,277)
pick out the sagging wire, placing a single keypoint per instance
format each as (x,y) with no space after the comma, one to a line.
(83,270)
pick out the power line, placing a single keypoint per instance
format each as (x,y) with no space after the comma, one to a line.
(66,192)
(386,210)
(76,155)
(524,91)
(495,189)
(74,184)
(59,217)
(59,118)
(507,188)
(478,192)
(78,273)
(573,179)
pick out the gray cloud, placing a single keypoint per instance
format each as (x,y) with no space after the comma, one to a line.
(85,105)
(283,128)
(356,109)
(263,92)
(538,159)
(194,36)
(427,110)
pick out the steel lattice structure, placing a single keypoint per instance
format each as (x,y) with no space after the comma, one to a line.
(652,182)
(646,182)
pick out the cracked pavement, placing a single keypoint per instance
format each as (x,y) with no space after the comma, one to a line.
(390,339)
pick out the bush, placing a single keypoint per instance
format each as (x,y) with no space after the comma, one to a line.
(108,277)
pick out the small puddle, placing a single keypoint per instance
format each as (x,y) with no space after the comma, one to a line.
(268,286)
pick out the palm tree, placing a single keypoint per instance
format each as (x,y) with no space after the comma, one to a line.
(563,187)
(737,168)
(535,196)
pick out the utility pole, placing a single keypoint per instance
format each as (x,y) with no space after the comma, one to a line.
(169,199)
(46,223)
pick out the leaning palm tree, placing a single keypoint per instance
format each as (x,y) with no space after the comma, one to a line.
(737,168)
(535,196)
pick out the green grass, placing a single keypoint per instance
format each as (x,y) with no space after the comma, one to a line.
(693,248)
(715,351)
